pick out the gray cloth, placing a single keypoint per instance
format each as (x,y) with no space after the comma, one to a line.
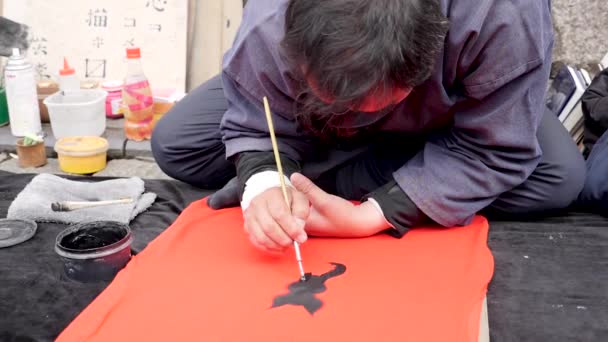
(34,202)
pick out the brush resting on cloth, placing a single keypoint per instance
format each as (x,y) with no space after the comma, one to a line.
(34,202)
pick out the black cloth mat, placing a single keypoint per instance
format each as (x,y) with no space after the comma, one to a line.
(550,281)
(36,302)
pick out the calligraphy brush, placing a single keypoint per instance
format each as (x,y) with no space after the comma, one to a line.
(275,148)
(74,205)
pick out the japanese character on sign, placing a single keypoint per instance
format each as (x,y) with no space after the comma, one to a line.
(38,45)
(155,27)
(130,22)
(95,68)
(42,70)
(98,42)
(158,5)
(98,18)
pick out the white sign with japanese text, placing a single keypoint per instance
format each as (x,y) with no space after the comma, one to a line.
(93,36)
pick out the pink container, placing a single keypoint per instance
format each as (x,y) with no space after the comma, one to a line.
(114,100)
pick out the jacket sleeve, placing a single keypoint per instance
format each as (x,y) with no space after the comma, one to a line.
(492,145)
(244,127)
(595,109)
(595,99)
(253,68)
(398,209)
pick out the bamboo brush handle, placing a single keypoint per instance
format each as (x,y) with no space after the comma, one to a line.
(75,205)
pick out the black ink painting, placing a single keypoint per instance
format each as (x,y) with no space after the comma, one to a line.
(303,293)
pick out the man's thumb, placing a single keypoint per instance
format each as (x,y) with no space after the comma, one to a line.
(304,185)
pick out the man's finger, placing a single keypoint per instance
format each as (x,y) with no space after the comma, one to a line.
(287,222)
(300,207)
(272,228)
(316,195)
(264,248)
(256,232)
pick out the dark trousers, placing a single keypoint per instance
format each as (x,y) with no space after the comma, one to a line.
(594,196)
(187,145)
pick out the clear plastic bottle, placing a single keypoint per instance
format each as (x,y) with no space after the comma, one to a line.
(22,96)
(67,77)
(137,99)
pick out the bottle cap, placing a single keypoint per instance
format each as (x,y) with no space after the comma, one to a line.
(67,70)
(81,146)
(17,61)
(133,53)
(17,56)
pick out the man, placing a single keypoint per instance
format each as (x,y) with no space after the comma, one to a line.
(424,110)
(595,109)
(594,195)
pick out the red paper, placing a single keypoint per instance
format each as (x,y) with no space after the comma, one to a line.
(201,280)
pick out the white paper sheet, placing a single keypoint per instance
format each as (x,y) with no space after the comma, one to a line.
(93,35)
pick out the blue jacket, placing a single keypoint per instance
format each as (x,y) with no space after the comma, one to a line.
(484,99)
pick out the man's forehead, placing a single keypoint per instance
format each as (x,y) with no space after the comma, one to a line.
(375,101)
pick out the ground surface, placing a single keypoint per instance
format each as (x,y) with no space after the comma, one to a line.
(581,30)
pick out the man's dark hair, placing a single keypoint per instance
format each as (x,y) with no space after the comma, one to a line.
(353,48)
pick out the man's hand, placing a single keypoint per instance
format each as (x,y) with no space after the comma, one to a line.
(273,226)
(332,216)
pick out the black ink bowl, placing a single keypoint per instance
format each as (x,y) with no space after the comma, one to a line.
(94,251)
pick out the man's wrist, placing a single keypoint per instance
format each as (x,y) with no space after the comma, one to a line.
(260,182)
(250,163)
(375,220)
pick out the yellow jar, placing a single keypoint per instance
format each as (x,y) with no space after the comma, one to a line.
(82,155)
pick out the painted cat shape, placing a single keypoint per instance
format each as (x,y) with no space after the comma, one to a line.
(302,293)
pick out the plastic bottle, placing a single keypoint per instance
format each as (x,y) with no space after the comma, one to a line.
(67,78)
(21,96)
(114,98)
(137,99)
